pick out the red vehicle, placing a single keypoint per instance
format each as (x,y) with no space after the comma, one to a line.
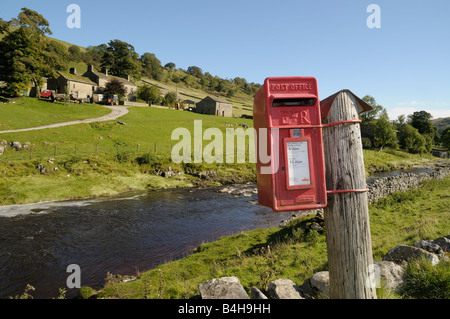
(46,94)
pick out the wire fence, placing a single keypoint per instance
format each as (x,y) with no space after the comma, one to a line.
(31,152)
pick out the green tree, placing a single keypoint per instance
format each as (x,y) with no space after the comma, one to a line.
(422,122)
(445,138)
(149,94)
(374,113)
(170,99)
(384,132)
(26,55)
(195,71)
(121,59)
(75,53)
(411,140)
(151,66)
(369,119)
(170,65)
(94,54)
(115,87)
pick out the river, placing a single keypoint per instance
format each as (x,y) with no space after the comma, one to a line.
(121,235)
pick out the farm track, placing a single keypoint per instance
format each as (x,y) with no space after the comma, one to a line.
(117,112)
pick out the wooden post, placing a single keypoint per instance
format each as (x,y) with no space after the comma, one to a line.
(349,246)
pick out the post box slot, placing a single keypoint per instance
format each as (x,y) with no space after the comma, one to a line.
(294,102)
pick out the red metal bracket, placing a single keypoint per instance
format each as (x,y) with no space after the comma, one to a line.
(343,191)
(341,122)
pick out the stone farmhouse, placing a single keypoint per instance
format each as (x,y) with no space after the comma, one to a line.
(84,86)
(215,106)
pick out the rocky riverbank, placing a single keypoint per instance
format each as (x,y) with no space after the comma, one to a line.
(378,188)
(385,186)
(390,271)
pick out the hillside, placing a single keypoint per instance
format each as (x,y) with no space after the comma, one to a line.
(242,102)
(441,124)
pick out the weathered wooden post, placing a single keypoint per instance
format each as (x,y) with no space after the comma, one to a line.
(349,246)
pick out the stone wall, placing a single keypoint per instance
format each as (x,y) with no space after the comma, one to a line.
(385,186)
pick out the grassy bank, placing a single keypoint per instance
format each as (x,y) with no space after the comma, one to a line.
(27,112)
(259,256)
(101,159)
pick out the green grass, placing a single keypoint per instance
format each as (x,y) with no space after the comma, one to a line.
(29,112)
(147,131)
(242,103)
(259,256)
(425,281)
(390,159)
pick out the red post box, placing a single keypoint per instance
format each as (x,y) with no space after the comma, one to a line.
(287,119)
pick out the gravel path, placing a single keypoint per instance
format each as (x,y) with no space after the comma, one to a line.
(117,111)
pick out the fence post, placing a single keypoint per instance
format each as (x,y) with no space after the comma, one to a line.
(349,245)
(96,148)
(76,149)
(54,154)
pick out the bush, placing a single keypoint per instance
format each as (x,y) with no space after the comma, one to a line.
(411,140)
(124,157)
(366,143)
(425,281)
(149,93)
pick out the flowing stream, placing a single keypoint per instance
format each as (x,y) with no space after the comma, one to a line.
(124,235)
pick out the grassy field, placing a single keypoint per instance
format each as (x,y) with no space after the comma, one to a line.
(29,112)
(102,158)
(260,256)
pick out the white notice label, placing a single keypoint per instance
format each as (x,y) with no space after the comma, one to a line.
(298,163)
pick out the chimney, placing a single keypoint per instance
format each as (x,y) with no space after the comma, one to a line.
(105,71)
(73,71)
(127,77)
(90,68)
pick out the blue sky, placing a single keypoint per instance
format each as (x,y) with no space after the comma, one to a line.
(404,64)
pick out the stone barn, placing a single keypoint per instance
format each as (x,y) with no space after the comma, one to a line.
(76,85)
(215,106)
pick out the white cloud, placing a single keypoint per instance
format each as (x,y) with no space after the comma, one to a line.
(436,109)
(395,112)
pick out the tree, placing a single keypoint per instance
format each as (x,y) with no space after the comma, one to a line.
(411,140)
(149,94)
(369,119)
(374,113)
(75,53)
(170,99)
(4,26)
(422,122)
(27,55)
(151,66)
(94,54)
(121,59)
(384,132)
(445,138)
(115,87)
(195,71)
(170,65)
